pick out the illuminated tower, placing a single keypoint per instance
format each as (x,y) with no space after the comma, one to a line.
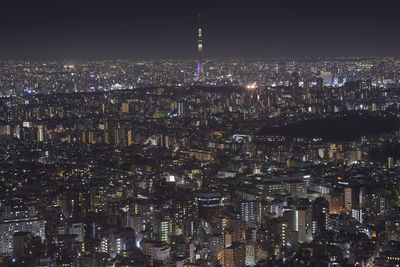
(199,49)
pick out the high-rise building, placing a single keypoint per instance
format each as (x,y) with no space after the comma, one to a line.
(302,224)
(250,212)
(235,255)
(277,234)
(208,205)
(163,228)
(216,245)
(200,50)
(9,227)
(320,215)
(180,109)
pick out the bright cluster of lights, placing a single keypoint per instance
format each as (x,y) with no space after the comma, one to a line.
(252,86)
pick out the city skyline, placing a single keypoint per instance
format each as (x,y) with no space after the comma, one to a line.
(126,143)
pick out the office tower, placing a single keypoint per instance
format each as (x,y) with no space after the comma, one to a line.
(302,224)
(207,205)
(320,215)
(163,228)
(200,50)
(250,212)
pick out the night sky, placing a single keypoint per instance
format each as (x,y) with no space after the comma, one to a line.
(167,29)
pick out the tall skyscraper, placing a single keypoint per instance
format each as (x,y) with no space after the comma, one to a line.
(200,49)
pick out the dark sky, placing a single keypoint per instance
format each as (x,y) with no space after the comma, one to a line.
(150,29)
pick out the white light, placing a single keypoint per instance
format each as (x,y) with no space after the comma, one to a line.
(251,86)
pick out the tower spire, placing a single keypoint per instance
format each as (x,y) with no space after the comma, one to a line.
(200,49)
